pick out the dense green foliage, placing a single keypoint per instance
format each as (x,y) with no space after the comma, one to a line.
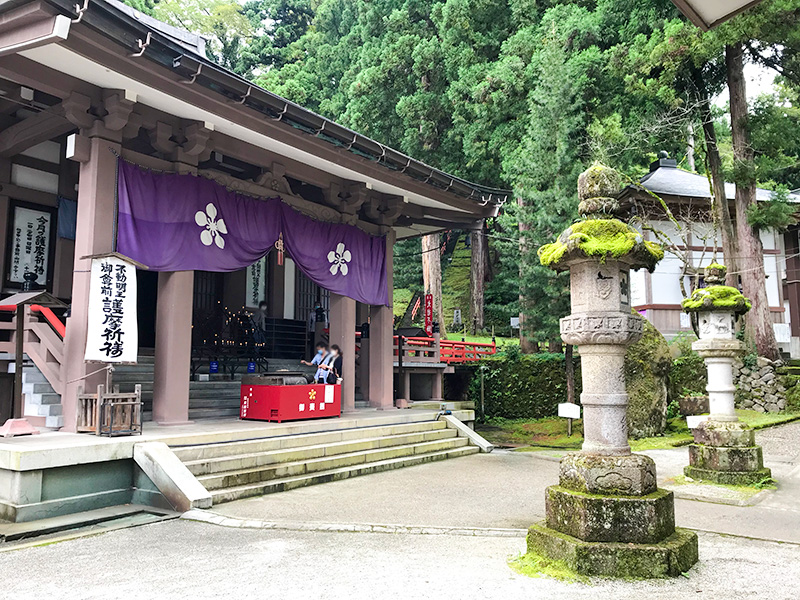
(687,374)
(778,213)
(522,386)
(521,94)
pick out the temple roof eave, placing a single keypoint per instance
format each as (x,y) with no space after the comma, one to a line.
(343,152)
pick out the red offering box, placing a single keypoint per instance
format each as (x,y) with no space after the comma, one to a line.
(290,402)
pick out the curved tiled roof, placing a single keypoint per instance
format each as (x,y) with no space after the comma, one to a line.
(666,178)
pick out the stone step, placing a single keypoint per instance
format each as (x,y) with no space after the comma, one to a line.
(37,388)
(242,462)
(241,477)
(12,532)
(33,375)
(131,378)
(449,405)
(215,393)
(48,410)
(299,440)
(215,402)
(212,413)
(54,422)
(42,399)
(281,485)
(196,414)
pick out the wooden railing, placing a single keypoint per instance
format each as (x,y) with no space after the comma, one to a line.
(416,349)
(425,349)
(453,352)
(43,343)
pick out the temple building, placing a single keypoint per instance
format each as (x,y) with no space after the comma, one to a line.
(658,295)
(117,134)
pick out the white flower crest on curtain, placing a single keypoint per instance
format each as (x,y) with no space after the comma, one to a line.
(213,228)
(339,259)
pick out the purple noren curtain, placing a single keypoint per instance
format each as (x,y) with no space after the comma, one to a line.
(174,222)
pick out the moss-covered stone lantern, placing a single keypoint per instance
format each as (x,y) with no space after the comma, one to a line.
(607,516)
(724,450)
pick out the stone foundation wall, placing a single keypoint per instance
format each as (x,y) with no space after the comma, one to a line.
(760,387)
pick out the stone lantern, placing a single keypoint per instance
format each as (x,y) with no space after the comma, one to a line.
(724,450)
(607,516)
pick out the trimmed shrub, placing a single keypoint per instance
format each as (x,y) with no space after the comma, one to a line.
(518,386)
(687,376)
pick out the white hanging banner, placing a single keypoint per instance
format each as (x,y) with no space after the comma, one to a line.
(113,331)
(30,245)
(256,278)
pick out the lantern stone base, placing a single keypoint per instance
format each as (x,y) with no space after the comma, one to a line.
(630,475)
(728,477)
(602,518)
(668,558)
(725,459)
(725,452)
(724,434)
(607,517)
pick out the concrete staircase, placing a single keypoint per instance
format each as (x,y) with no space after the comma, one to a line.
(245,468)
(41,400)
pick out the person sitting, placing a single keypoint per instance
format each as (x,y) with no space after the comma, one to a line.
(320,360)
(334,366)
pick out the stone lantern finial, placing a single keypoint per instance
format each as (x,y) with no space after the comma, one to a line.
(715,274)
(598,188)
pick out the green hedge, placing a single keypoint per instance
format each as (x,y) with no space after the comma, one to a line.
(687,376)
(520,386)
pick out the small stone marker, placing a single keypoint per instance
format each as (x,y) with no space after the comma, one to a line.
(607,516)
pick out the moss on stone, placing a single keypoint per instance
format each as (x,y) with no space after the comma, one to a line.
(602,238)
(793,399)
(533,564)
(738,478)
(599,181)
(647,367)
(717,298)
(669,558)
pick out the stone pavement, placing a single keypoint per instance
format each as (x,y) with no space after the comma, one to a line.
(183,560)
(505,490)
(440,530)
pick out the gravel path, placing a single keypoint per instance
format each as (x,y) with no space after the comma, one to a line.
(781,443)
(182,560)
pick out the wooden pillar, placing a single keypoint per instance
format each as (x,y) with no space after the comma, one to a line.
(792,248)
(94,235)
(362,366)
(343,334)
(173,347)
(477,279)
(436,378)
(381,343)
(173,356)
